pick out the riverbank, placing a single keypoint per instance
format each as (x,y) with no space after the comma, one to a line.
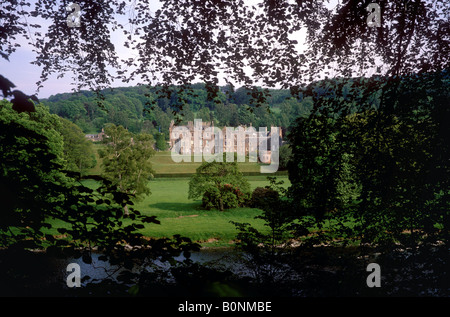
(312,272)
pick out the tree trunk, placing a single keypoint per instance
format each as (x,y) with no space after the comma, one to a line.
(126,211)
(221,204)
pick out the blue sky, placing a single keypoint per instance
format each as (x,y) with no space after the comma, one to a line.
(24,75)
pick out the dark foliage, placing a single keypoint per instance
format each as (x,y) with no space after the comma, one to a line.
(261,197)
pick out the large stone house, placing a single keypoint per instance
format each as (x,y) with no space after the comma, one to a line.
(254,139)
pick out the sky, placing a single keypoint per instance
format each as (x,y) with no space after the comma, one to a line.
(24,75)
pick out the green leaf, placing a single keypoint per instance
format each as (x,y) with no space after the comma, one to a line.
(133,290)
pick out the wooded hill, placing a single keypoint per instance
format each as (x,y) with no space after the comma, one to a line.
(125,106)
(141,109)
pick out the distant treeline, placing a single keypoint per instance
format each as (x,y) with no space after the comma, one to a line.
(125,106)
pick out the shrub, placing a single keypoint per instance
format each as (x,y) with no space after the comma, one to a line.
(220,185)
(224,197)
(262,197)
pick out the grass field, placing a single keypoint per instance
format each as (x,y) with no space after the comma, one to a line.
(180,215)
(163,164)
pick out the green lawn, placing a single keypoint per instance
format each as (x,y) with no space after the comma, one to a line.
(180,215)
(163,164)
(97,169)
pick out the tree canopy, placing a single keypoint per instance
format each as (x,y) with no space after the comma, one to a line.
(124,106)
(78,151)
(221,185)
(126,161)
(247,44)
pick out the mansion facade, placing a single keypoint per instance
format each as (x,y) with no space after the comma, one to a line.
(199,137)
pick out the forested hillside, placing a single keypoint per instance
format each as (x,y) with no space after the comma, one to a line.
(125,106)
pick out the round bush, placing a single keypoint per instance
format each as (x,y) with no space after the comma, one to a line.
(224,197)
(262,197)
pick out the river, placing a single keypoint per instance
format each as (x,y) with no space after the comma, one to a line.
(219,258)
(314,274)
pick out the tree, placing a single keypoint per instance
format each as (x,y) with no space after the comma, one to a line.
(126,161)
(225,114)
(375,163)
(285,154)
(220,184)
(31,156)
(78,151)
(246,117)
(162,120)
(160,142)
(36,189)
(183,41)
(268,251)
(187,114)
(392,166)
(204,114)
